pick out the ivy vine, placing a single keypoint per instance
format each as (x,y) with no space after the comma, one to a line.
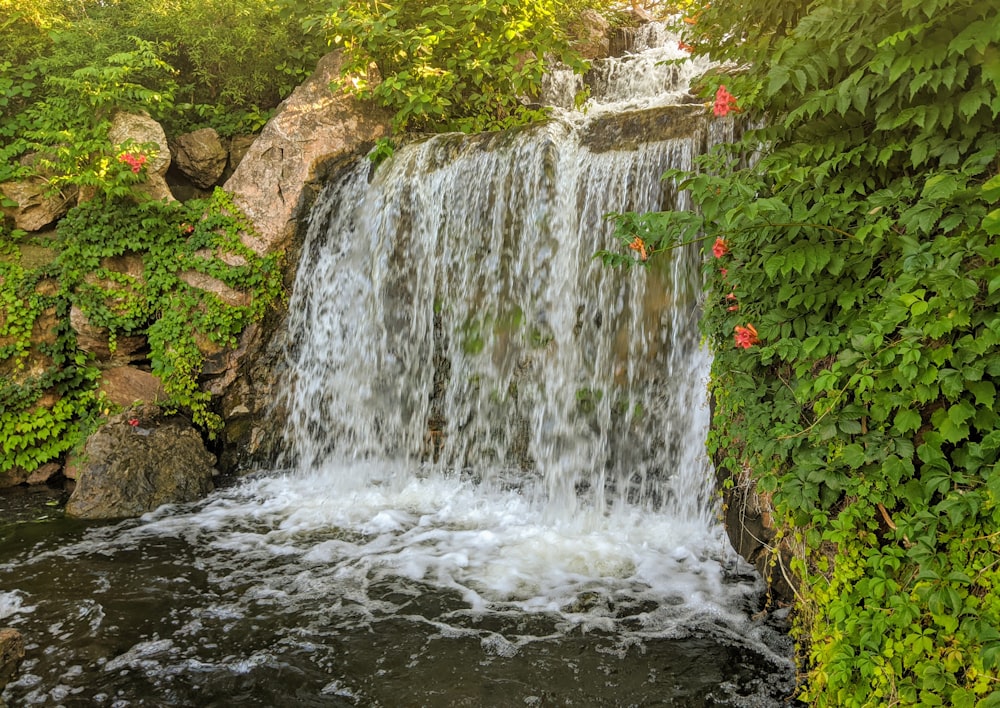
(853,280)
(193,287)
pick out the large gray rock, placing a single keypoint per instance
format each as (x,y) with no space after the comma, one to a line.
(201,156)
(138,461)
(141,129)
(312,127)
(37,206)
(11,654)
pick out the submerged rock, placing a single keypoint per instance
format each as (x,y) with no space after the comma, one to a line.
(137,462)
(11,654)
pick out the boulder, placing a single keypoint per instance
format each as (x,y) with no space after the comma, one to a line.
(239,146)
(749,524)
(590,35)
(201,156)
(141,129)
(11,654)
(311,127)
(228,295)
(44,473)
(96,340)
(125,386)
(36,206)
(138,461)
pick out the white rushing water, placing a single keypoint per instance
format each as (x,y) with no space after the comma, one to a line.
(520,420)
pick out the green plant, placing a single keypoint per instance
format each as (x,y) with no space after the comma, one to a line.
(46,386)
(853,281)
(199,286)
(196,287)
(449,65)
(383,150)
(65,132)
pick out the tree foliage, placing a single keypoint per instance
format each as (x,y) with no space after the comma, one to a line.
(451,65)
(854,311)
(231,61)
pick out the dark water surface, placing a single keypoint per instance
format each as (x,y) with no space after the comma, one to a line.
(149,613)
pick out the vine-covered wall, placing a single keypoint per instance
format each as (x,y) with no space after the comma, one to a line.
(50,396)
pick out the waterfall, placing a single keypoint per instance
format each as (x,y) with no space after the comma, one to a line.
(453,336)
(494,491)
(448,312)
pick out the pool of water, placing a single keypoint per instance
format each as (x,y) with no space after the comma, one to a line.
(269,594)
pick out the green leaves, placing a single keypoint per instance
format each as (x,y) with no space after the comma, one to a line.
(451,66)
(861,243)
(181,322)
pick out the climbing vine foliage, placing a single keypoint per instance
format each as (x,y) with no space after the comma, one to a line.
(853,279)
(178,276)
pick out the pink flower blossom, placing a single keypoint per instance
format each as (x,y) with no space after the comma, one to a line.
(135,162)
(725,102)
(746,337)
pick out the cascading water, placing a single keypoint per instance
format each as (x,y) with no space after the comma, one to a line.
(495,490)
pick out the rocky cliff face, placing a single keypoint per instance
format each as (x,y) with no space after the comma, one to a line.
(274,179)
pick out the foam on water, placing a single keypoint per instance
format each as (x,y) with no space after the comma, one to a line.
(12,603)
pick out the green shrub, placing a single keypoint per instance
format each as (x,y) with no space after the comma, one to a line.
(450,65)
(854,312)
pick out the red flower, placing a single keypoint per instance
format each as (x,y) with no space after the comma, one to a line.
(724,272)
(135,162)
(746,337)
(134,422)
(720,248)
(725,102)
(684,46)
(639,245)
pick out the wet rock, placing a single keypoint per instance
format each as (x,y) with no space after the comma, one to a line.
(141,129)
(249,401)
(138,461)
(626,131)
(621,41)
(36,206)
(312,126)
(201,156)
(750,527)
(11,654)
(44,473)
